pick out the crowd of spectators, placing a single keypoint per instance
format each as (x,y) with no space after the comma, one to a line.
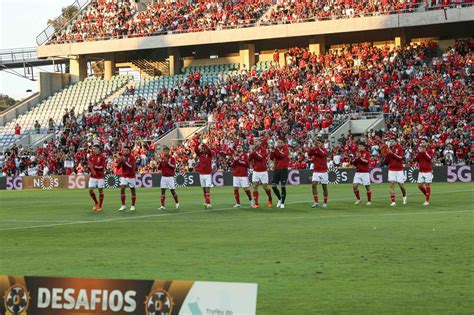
(119,18)
(297,11)
(420,91)
(103,19)
(100,19)
(195,16)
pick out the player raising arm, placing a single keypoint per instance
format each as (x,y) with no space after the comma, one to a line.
(394,160)
(127,163)
(361,163)
(204,167)
(425,175)
(259,160)
(280,174)
(96,165)
(167,165)
(320,172)
(240,168)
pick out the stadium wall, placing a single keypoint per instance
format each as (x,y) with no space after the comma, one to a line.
(378,175)
(49,83)
(190,62)
(20,108)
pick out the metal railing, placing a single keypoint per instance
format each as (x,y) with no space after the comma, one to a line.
(188,124)
(60,21)
(366,115)
(256,23)
(410,8)
(18,55)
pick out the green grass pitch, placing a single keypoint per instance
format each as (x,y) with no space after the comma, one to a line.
(343,259)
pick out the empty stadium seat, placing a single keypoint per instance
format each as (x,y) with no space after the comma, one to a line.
(77,97)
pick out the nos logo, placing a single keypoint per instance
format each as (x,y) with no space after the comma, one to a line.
(46,182)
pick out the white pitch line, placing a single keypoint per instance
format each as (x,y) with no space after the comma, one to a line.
(180,213)
(39,221)
(116,219)
(305,218)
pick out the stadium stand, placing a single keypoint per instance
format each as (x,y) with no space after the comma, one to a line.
(421,91)
(112,19)
(74,99)
(302,11)
(100,19)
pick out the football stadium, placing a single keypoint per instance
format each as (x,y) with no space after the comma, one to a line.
(226,157)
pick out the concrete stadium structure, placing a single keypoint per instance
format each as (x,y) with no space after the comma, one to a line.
(244,44)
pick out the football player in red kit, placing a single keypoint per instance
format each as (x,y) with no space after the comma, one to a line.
(281,156)
(240,169)
(425,175)
(394,160)
(320,172)
(362,177)
(204,167)
(259,160)
(97,166)
(127,163)
(167,165)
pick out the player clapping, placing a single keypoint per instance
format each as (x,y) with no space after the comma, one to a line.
(127,163)
(240,168)
(259,159)
(320,172)
(394,159)
(97,166)
(362,177)
(167,165)
(425,175)
(204,167)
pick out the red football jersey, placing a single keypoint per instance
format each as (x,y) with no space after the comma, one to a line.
(320,156)
(424,161)
(259,159)
(240,167)
(281,157)
(128,166)
(168,166)
(361,162)
(97,165)
(204,166)
(394,158)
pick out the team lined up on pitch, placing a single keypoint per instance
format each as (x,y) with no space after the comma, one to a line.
(257,158)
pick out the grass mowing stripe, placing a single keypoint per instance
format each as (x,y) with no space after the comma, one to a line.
(61,223)
(184,193)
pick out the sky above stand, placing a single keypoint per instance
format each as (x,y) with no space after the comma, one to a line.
(20,22)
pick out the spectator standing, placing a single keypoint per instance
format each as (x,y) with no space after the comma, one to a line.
(17,131)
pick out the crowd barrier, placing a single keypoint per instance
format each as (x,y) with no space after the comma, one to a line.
(447,174)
